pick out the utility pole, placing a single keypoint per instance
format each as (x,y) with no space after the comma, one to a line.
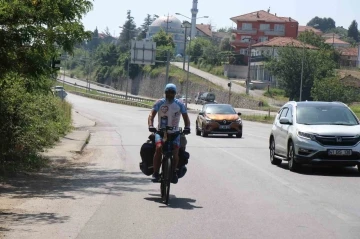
(167,23)
(185,47)
(302,71)
(229,85)
(249,65)
(64,78)
(187,77)
(167,65)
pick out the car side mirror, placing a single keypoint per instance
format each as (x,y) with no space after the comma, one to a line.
(201,113)
(285,121)
(239,114)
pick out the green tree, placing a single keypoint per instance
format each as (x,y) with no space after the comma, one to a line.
(323,24)
(287,68)
(164,43)
(332,89)
(145,27)
(32,33)
(128,30)
(353,31)
(197,48)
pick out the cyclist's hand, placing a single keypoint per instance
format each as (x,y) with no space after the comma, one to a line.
(186,130)
(152,129)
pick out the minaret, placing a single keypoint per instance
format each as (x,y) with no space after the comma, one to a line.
(194,12)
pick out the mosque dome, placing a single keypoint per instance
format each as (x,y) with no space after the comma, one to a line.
(173,22)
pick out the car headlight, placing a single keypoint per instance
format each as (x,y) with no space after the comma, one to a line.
(306,135)
(238,121)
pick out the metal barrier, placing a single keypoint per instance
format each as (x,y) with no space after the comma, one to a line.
(121,96)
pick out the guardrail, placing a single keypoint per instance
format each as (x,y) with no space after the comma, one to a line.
(113,100)
(121,96)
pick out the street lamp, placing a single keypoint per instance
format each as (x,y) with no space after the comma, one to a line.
(128,63)
(188,68)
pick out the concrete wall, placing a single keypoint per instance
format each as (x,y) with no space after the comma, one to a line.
(154,88)
(235,71)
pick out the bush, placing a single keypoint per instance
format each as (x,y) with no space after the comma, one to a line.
(29,121)
(273,92)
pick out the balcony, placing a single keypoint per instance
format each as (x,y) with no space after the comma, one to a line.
(239,43)
(251,31)
(273,32)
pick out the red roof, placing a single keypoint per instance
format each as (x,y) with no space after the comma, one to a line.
(308,28)
(349,51)
(261,16)
(283,41)
(336,41)
(205,28)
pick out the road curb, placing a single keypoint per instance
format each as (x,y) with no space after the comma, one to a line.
(84,144)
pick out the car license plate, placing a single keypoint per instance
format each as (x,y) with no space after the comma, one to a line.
(340,152)
(224,126)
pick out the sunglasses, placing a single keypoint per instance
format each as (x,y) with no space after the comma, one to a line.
(170,92)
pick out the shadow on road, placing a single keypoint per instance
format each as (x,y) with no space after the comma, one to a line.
(63,183)
(174,202)
(326,171)
(57,183)
(28,219)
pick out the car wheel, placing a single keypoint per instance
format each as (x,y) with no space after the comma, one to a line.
(239,135)
(198,132)
(293,165)
(203,133)
(273,159)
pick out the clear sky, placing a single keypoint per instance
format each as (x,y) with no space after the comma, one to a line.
(112,13)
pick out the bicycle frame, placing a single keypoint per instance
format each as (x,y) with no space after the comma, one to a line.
(167,162)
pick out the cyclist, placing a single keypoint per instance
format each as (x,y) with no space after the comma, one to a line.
(169,110)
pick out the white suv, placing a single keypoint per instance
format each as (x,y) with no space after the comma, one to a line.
(315,133)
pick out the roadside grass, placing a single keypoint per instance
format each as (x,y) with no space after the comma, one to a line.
(356,109)
(259,118)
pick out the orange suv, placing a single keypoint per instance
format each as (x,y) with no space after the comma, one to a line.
(219,119)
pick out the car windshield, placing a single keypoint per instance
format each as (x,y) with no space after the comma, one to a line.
(325,115)
(219,109)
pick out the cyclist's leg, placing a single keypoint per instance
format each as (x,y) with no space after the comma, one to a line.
(176,152)
(157,155)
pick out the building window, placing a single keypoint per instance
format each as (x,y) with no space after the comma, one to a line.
(247,26)
(245,38)
(279,27)
(262,39)
(264,27)
(243,51)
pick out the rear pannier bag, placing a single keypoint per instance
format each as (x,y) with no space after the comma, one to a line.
(147,152)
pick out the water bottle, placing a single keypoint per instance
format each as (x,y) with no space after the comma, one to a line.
(163,122)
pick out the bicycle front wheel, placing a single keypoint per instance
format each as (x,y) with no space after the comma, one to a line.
(168,177)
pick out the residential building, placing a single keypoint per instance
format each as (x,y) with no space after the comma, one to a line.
(308,28)
(349,56)
(270,49)
(337,43)
(261,26)
(331,35)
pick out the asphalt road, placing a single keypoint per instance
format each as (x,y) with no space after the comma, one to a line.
(230,190)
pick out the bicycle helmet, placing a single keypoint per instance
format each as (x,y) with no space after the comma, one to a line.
(169,87)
